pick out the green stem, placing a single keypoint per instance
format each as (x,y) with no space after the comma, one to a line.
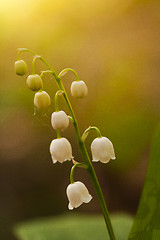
(20,50)
(73,168)
(97,190)
(58,93)
(85,134)
(44,72)
(88,163)
(70,118)
(84,153)
(58,134)
(67,70)
(33,65)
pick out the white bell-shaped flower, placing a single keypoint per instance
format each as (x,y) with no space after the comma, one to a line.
(34,82)
(60,150)
(102,150)
(79,89)
(77,194)
(59,120)
(20,67)
(42,100)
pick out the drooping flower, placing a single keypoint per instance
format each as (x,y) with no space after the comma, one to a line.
(77,194)
(34,82)
(42,100)
(59,120)
(79,89)
(102,150)
(20,67)
(60,150)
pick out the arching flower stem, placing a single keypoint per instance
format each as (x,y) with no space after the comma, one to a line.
(67,70)
(58,93)
(82,165)
(44,72)
(86,132)
(21,50)
(83,149)
(33,63)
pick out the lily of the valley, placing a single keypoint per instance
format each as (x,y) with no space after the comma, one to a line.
(102,150)
(60,150)
(59,120)
(42,100)
(79,89)
(34,82)
(77,194)
(20,67)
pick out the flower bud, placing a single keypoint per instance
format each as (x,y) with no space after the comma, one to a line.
(79,89)
(42,100)
(34,82)
(77,194)
(20,67)
(60,150)
(59,120)
(102,150)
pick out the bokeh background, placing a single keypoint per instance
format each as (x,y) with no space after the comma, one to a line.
(114,46)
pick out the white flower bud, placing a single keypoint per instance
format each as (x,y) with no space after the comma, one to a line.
(79,89)
(20,67)
(42,100)
(59,120)
(60,150)
(102,150)
(34,82)
(77,194)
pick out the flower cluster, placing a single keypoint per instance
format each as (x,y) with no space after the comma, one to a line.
(60,148)
(34,82)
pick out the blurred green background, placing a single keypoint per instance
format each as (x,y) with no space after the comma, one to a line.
(114,47)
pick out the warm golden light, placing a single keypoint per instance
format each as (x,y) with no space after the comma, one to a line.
(14,9)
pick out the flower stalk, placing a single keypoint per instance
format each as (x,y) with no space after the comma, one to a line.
(82,165)
(86,132)
(87,162)
(64,71)
(58,93)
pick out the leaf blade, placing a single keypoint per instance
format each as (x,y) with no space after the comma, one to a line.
(147,221)
(73,227)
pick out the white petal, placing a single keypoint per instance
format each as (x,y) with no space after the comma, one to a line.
(79,89)
(59,120)
(42,100)
(54,161)
(70,206)
(95,160)
(61,150)
(87,198)
(102,150)
(84,194)
(110,148)
(77,193)
(105,157)
(73,195)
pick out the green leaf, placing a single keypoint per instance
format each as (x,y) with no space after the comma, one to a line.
(73,227)
(147,222)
